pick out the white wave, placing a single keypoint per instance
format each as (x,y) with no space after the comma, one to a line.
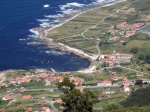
(54,16)
(43,20)
(69,5)
(56,21)
(32,36)
(106,1)
(75,4)
(36,33)
(22,39)
(45,24)
(68,11)
(55,52)
(46,6)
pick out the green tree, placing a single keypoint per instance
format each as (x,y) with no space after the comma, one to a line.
(76,101)
(66,84)
(134,50)
(141,57)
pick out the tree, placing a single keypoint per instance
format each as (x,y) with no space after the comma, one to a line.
(134,50)
(141,57)
(66,84)
(76,101)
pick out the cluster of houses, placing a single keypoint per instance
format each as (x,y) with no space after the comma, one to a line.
(48,78)
(124,29)
(123,83)
(115,58)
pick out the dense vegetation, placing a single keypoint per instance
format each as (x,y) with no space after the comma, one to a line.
(145,58)
(138,98)
(138,101)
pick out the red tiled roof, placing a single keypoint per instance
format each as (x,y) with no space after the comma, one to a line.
(6,96)
(58,101)
(45,108)
(27,97)
(125,79)
(80,88)
(29,109)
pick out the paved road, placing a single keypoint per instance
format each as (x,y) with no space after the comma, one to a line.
(52,89)
(111,86)
(46,89)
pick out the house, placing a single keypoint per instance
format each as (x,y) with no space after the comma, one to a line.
(58,101)
(115,77)
(113,73)
(80,88)
(126,89)
(123,56)
(124,23)
(145,80)
(130,33)
(76,80)
(29,109)
(6,97)
(27,97)
(22,89)
(104,83)
(122,41)
(126,81)
(44,109)
(115,38)
(99,71)
(138,25)
(66,73)
(108,60)
(42,102)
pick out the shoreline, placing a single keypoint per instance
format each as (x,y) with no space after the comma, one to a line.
(42,33)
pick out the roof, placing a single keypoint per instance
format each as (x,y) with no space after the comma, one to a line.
(144,79)
(124,23)
(106,90)
(125,79)
(99,71)
(80,88)
(45,108)
(6,96)
(115,38)
(115,76)
(29,109)
(122,41)
(27,97)
(66,73)
(113,73)
(125,87)
(58,101)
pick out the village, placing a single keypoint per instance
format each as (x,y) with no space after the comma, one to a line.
(113,85)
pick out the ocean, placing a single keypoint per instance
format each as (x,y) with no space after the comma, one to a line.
(18,17)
